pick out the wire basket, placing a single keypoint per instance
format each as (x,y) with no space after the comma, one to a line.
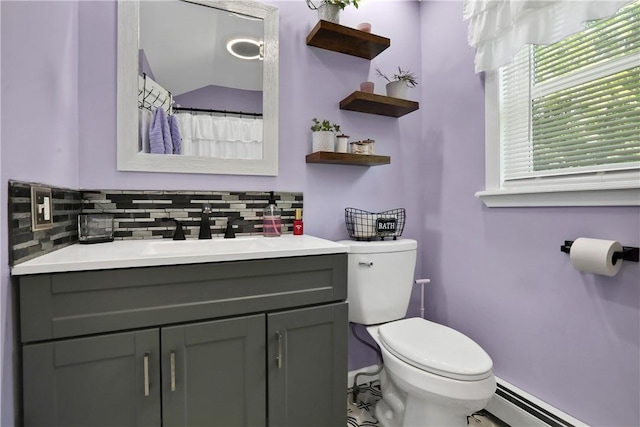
(363,225)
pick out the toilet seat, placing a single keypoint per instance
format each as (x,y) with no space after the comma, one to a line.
(436,348)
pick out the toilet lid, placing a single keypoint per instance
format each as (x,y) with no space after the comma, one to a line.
(436,348)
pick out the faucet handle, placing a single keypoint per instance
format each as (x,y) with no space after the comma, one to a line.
(206,208)
(229,233)
(178,234)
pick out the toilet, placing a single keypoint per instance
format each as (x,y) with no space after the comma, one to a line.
(433,375)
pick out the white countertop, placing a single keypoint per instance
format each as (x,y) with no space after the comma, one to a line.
(155,252)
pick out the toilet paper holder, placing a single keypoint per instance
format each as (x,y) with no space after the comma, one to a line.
(628,253)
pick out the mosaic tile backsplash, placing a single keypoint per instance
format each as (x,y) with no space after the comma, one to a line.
(25,244)
(138,214)
(143,214)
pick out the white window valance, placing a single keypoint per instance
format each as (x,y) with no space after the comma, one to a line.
(499,28)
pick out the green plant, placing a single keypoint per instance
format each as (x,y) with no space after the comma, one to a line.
(340,3)
(324,125)
(401,76)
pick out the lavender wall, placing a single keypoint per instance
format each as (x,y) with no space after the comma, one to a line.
(39,110)
(222,98)
(498,275)
(569,338)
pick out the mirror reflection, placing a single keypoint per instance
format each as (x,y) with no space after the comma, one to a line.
(206,74)
(206,85)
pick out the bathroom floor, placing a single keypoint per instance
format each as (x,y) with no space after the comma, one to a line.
(361,413)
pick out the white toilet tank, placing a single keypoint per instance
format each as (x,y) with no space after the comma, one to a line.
(380,279)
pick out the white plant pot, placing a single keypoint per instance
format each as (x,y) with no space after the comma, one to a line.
(329,12)
(397,90)
(323,140)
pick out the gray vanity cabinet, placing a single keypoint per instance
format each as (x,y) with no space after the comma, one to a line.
(214,373)
(244,343)
(307,381)
(94,381)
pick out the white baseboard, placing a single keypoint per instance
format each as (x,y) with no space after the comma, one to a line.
(363,379)
(516,407)
(512,405)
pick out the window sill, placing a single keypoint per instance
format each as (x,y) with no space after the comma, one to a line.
(560,197)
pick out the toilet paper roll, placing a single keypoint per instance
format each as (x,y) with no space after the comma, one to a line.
(595,256)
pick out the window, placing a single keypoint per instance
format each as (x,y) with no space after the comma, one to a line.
(563,120)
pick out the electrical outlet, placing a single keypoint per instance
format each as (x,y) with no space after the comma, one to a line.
(41,208)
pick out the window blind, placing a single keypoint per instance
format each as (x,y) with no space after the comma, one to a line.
(602,41)
(574,106)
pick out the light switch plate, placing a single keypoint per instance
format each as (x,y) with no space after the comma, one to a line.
(41,208)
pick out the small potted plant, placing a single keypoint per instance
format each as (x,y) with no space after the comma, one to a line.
(324,135)
(329,10)
(398,83)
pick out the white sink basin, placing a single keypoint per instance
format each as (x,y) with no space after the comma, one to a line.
(144,253)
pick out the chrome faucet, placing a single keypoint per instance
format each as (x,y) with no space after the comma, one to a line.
(205,226)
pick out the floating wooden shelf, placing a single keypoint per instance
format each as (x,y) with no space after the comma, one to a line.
(338,38)
(378,104)
(347,159)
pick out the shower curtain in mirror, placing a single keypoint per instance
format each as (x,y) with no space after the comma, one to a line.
(209,135)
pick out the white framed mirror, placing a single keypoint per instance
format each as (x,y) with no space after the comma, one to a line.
(132,155)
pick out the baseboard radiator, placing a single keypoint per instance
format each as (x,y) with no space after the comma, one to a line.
(509,403)
(518,408)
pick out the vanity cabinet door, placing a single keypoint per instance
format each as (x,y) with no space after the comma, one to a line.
(213,373)
(307,363)
(110,380)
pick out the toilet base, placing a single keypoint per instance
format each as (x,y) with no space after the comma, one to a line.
(421,408)
(385,415)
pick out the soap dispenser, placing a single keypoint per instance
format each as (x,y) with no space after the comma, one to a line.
(271,218)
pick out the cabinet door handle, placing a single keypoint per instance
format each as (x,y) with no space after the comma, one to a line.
(173,370)
(145,363)
(366,263)
(279,356)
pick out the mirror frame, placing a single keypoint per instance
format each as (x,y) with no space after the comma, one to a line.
(130,159)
